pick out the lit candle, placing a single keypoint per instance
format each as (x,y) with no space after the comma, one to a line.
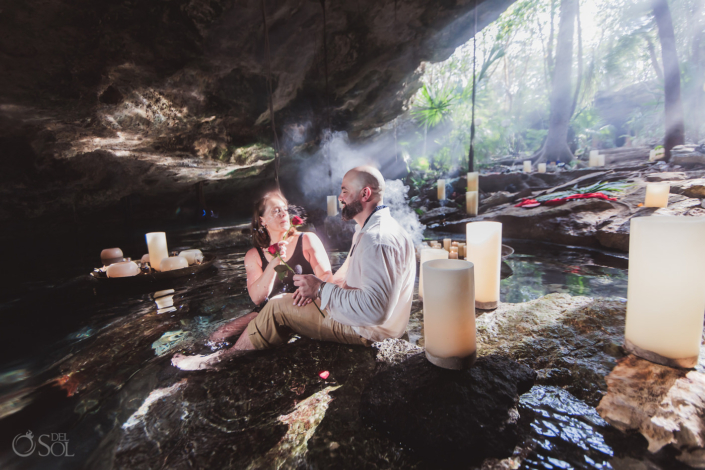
(449,313)
(657,194)
(453,243)
(527,166)
(332,206)
(454,248)
(446,244)
(473,181)
(665,295)
(461,250)
(441,190)
(145,259)
(156,245)
(484,250)
(471,202)
(192,256)
(173,262)
(453,255)
(542,168)
(428,255)
(123,269)
(111,255)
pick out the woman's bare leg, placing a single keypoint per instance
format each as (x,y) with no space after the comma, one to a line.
(232,328)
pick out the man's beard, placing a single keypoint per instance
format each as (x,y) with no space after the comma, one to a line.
(351,210)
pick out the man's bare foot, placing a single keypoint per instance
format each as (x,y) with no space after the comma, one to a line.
(199,362)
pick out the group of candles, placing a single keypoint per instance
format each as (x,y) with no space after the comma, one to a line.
(451,289)
(665,297)
(118,266)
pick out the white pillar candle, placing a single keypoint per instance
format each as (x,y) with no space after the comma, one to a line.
(449,313)
(652,155)
(473,181)
(446,244)
(123,269)
(657,194)
(192,256)
(428,255)
(156,245)
(441,190)
(332,206)
(594,153)
(453,255)
(484,250)
(472,200)
(666,289)
(542,168)
(111,255)
(527,166)
(454,243)
(600,160)
(461,250)
(173,262)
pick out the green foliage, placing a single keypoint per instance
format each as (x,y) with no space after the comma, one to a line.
(432,106)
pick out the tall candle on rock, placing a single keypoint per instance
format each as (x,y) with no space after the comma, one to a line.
(666,289)
(449,313)
(484,250)
(657,194)
(156,245)
(332,206)
(441,190)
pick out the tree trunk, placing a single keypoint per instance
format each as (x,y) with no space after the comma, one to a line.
(556,146)
(580,62)
(654,59)
(675,129)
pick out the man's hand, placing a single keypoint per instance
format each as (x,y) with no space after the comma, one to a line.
(307,288)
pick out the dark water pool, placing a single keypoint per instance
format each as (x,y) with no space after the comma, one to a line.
(78,361)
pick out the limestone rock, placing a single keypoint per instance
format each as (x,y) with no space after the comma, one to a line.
(448,416)
(572,342)
(664,404)
(438,214)
(666,176)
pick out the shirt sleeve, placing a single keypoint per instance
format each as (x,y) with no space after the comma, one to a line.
(369,304)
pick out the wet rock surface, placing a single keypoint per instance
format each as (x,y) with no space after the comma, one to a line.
(666,405)
(449,416)
(571,342)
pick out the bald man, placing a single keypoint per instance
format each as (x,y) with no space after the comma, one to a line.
(367,300)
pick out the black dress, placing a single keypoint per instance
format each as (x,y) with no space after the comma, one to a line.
(286,285)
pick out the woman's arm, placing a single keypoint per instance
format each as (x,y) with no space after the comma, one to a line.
(315,253)
(259,282)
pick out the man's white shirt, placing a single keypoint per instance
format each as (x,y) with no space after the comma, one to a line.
(378,280)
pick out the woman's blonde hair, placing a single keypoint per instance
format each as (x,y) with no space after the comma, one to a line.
(260,235)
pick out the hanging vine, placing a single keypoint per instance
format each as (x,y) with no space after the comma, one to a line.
(268,60)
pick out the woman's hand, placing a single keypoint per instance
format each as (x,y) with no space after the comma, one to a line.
(281,247)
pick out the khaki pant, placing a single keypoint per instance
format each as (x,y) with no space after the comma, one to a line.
(280,317)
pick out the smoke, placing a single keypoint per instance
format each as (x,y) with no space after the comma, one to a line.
(395,197)
(321,174)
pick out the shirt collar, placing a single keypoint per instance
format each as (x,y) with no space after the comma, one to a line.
(378,208)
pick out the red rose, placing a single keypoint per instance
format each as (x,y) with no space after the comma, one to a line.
(273,249)
(296,220)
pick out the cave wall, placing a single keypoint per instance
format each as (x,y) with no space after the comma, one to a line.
(106,100)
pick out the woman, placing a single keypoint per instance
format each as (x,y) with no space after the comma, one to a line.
(271,226)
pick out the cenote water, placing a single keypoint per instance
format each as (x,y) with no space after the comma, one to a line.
(81,360)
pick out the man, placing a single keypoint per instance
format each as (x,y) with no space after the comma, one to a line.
(367,300)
